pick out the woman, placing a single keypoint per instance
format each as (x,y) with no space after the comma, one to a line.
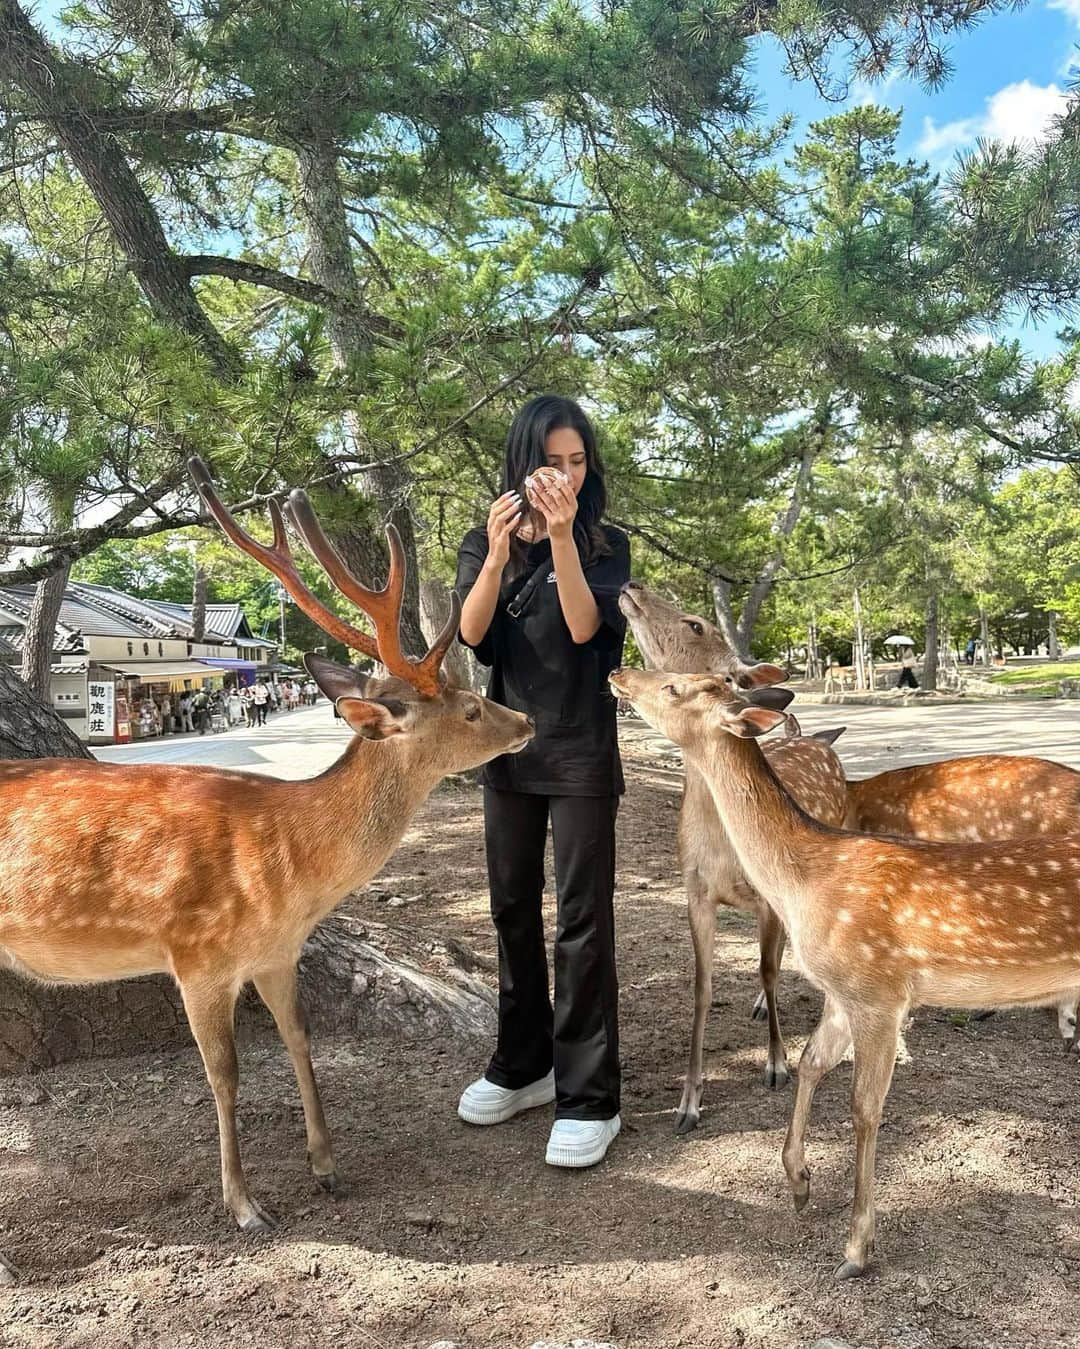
(539,587)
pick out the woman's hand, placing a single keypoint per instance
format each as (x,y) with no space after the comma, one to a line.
(503,518)
(556,502)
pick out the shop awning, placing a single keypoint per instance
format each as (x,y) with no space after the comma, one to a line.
(229,663)
(161,671)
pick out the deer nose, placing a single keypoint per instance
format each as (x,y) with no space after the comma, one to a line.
(631,585)
(530,723)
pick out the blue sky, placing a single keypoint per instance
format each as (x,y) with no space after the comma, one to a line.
(1009,76)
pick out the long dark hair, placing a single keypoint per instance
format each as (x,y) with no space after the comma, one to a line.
(526,451)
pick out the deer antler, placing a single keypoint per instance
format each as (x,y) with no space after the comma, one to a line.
(382,606)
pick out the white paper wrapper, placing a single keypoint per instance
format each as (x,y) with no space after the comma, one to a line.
(531,479)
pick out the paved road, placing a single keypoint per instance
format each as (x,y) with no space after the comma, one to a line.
(890,737)
(303,743)
(291,745)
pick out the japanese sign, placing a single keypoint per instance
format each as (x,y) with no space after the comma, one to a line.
(101,709)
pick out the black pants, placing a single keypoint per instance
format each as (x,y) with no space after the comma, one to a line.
(907,679)
(580,1037)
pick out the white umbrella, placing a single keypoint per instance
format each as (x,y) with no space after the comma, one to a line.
(898,640)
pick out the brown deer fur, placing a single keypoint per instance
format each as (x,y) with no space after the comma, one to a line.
(880,925)
(983,798)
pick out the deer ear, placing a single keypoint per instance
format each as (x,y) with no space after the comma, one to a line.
(375,718)
(774,698)
(336,681)
(752,721)
(759,675)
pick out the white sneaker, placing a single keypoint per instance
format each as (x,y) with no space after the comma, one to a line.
(580,1142)
(483,1102)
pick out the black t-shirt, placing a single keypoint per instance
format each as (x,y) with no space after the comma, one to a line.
(538,668)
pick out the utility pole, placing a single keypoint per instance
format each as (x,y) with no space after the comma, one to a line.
(281,592)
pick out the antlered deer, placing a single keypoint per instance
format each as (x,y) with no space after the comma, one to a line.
(672,640)
(881,925)
(219,877)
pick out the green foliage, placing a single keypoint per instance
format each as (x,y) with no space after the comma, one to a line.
(790,349)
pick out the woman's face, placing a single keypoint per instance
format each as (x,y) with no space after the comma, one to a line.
(565,451)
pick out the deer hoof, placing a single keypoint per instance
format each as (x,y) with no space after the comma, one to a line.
(258,1222)
(850,1270)
(8,1274)
(686,1121)
(760,1009)
(776,1075)
(330,1181)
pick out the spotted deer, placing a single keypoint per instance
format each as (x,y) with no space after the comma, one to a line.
(880,924)
(670,639)
(983,798)
(218,877)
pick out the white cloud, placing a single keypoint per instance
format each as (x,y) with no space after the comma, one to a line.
(1070,8)
(1019,112)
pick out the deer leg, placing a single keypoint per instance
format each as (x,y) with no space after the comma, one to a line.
(209,1009)
(8,1273)
(771,939)
(1066,1019)
(875,1038)
(702,914)
(278,989)
(826,1047)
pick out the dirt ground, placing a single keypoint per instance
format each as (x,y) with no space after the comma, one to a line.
(110,1200)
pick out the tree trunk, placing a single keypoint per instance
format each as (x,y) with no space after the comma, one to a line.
(29,729)
(54,88)
(930,662)
(1053,648)
(331,260)
(39,637)
(461,666)
(784,527)
(813,657)
(350,986)
(198,605)
(858,655)
(984,632)
(725,618)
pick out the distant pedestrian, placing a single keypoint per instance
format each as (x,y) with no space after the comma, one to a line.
(969,651)
(260,696)
(186,723)
(907,671)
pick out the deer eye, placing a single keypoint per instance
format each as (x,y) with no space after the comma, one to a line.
(473,713)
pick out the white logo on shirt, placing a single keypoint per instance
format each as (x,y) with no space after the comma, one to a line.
(551,578)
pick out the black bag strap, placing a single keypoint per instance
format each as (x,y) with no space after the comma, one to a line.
(517,605)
